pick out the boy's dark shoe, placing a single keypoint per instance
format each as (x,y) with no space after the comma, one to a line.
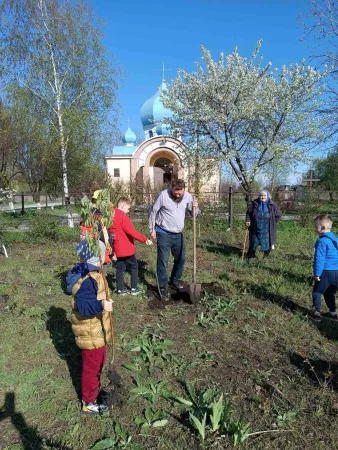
(177,285)
(164,294)
(123,291)
(267,253)
(315,316)
(135,291)
(93,408)
(331,316)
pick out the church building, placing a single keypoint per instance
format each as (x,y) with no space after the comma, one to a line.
(158,159)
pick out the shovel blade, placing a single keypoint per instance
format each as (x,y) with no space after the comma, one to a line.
(195,292)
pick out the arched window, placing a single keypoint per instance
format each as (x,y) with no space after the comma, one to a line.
(163,163)
(151,134)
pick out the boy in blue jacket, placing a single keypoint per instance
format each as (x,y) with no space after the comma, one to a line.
(325,268)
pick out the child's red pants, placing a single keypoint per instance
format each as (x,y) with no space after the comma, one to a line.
(92,365)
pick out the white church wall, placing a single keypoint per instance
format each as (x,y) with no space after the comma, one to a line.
(122,166)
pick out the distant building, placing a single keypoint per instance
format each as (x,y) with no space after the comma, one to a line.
(158,159)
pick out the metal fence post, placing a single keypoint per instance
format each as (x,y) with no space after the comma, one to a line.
(230,206)
(22,203)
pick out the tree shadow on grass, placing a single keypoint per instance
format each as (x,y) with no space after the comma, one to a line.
(225,249)
(29,436)
(60,329)
(327,327)
(261,292)
(288,275)
(320,371)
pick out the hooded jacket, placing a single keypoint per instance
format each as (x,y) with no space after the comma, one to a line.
(90,324)
(326,254)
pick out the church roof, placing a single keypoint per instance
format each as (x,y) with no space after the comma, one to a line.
(153,110)
(124,150)
(129,137)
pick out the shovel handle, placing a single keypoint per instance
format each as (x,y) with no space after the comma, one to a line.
(194,242)
(106,288)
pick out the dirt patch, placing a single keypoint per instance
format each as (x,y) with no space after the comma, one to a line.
(3,302)
(115,393)
(182,296)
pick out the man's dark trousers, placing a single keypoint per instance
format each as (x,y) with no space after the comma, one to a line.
(166,243)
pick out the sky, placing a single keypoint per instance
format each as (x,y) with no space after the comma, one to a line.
(142,35)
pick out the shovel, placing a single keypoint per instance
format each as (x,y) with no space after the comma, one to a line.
(115,382)
(194,288)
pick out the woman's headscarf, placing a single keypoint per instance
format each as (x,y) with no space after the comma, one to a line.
(263,206)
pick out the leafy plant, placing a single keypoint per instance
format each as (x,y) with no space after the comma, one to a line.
(97,222)
(199,425)
(150,389)
(286,418)
(209,413)
(152,418)
(256,314)
(44,227)
(152,347)
(120,439)
(216,312)
(238,431)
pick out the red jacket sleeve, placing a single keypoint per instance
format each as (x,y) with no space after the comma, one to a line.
(129,229)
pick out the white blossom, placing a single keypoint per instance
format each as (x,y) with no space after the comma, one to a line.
(245,113)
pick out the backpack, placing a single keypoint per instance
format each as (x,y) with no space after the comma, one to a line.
(73,276)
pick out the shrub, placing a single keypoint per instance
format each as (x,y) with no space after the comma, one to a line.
(44,226)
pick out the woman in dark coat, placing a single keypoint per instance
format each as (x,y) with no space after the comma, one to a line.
(262,217)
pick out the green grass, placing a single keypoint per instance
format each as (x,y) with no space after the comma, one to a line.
(255,345)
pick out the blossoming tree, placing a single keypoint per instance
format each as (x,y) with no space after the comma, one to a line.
(246,114)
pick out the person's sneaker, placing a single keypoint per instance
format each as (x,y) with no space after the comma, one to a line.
(331,316)
(176,284)
(164,294)
(315,316)
(123,291)
(135,291)
(93,408)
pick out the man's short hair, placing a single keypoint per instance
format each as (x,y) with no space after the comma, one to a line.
(177,185)
(325,220)
(123,201)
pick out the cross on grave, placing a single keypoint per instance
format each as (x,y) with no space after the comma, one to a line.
(310,179)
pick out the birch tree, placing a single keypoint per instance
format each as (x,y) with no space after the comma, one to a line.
(248,115)
(54,50)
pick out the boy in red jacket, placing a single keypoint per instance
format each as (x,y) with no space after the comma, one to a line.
(124,248)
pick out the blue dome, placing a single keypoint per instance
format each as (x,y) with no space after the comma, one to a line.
(163,128)
(153,110)
(130,137)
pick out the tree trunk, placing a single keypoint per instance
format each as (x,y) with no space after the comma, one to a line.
(64,166)
(331,196)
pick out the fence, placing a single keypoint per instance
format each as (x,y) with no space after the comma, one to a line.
(224,204)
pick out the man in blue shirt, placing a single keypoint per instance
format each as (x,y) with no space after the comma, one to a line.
(166,223)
